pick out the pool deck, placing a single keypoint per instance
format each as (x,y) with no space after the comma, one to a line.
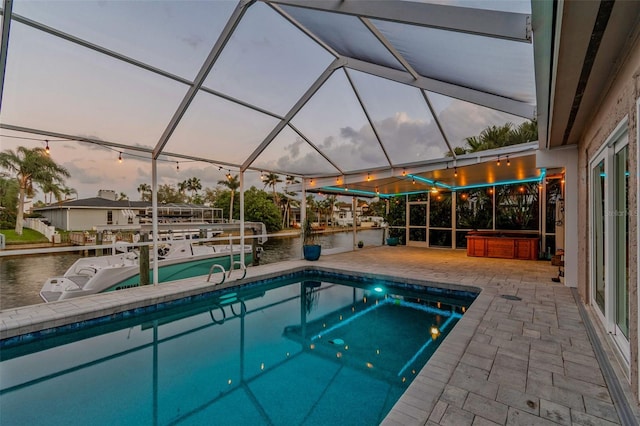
(515,362)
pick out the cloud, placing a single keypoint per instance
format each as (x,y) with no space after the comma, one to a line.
(404,139)
(193,41)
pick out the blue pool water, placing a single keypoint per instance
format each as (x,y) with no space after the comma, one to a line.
(307,349)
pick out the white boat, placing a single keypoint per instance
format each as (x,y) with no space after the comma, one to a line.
(178,259)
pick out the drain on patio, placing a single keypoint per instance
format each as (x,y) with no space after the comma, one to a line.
(510,297)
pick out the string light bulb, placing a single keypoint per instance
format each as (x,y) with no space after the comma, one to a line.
(177,166)
(229,174)
(46,149)
(508,161)
(404,172)
(120,157)
(498,160)
(368,176)
(455,171)
(413,180)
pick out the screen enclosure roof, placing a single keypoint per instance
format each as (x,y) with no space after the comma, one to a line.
(312,89)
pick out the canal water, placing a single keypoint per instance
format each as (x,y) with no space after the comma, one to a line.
(21,277)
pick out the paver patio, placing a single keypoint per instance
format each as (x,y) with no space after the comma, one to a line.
(526,361)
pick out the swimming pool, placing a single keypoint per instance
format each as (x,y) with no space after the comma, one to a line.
(308,348)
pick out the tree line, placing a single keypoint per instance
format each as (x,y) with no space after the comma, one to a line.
(26,170)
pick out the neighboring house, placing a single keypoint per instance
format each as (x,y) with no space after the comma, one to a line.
(343,214)
(104,209)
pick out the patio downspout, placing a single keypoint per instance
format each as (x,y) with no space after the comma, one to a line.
(154,215)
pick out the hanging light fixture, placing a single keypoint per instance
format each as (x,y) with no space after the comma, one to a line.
(229,174)
(120,158)
(177,166)
(455,171)
(413,180)
(508,161)
(404,172)
(368,176)
(434,190)
(46,149)
(498,163)
(261,176)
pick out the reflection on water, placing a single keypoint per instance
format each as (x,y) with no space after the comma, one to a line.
(21,277)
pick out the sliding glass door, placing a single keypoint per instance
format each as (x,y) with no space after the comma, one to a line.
(598,179)
(621,229)
(610,237)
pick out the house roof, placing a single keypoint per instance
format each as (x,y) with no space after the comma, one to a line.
(99,202)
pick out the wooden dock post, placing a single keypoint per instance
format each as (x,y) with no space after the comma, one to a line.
(99,243)
(144,260)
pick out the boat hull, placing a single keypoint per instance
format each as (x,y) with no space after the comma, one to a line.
(179,271)
(120,278)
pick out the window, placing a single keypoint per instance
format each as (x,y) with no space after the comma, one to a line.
(109,217)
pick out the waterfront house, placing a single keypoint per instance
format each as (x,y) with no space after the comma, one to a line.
(89,213)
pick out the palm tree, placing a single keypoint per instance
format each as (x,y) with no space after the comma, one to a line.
(291,202)
(499,136)
(233,183)
(182,187)
(123,197)
(272,180)
(31,166)
(311,207)
(290,180)
(526,132)
(66,191)
(324,207)
(53,190)
(194,185)
(332,199)
(145,191)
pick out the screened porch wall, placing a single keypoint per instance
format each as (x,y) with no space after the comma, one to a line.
(444,218)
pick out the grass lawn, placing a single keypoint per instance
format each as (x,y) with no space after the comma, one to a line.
(28,236)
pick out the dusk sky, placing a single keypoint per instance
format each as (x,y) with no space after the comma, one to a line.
(59,86)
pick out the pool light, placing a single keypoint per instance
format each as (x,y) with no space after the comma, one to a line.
(378,289)
(435,332)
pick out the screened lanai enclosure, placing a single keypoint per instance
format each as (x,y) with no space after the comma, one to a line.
(357,98)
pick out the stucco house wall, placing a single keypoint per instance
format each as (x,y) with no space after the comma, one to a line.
(618,103)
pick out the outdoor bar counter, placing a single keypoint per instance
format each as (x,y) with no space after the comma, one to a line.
(504,245)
